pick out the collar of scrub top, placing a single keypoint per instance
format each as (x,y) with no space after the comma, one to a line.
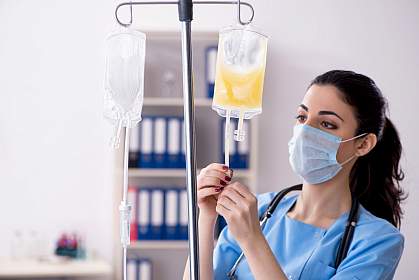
(347,235)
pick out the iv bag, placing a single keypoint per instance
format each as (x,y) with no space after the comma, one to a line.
(124,79)
(240,72)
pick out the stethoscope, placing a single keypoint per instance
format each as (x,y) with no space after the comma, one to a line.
(344,243)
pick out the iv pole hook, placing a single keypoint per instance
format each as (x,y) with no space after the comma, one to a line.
(238,3)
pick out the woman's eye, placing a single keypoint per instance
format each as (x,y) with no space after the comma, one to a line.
(328,125)
(301,118)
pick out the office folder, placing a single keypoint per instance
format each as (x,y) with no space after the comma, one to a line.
(143,214)
(132,269)
(132,200)
(183,215)
(210,66)
(183,146)
(145,270)
(134,147)
(157,211)
(174,139)
(146,143)
(159,151)
(171,215)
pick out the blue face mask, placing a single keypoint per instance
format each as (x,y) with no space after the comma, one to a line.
(313,153)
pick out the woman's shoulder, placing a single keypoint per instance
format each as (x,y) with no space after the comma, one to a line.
(374,224)
(375,243)
(371,230)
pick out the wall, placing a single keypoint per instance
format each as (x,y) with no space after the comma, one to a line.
(53,139)
(55,163)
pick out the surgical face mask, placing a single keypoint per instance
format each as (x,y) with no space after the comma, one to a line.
(313,153)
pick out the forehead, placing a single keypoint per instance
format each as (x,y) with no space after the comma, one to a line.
(327,98)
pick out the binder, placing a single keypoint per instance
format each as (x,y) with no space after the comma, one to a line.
(183,215)
(132,199)
(143,214)
(157,211)
(171,214)
(183,153)
(173,146)
(146,147)
(159,151)
(210,66)
(134,147)
(132,269)
(145,271)
(243,148)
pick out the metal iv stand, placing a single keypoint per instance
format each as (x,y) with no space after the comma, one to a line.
(185,10)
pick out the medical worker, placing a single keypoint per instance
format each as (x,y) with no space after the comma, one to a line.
(343,148)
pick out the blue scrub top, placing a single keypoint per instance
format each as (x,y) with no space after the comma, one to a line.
(308,252)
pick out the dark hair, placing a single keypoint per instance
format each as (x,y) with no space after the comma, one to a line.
(375,178)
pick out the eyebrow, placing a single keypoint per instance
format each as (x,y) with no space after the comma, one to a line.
(322,112)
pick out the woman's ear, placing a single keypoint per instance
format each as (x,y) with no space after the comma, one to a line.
(366,144)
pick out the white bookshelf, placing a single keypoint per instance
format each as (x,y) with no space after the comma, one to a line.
(30,269)
(170,256)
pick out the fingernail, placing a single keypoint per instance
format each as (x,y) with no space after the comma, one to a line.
(225,167)
(223,183)
(227,178)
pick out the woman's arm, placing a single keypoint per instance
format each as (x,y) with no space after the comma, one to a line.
(239,207)
(260,258)
(206,249)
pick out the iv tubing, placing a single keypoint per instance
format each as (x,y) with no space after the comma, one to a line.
(124,198)
(227,139)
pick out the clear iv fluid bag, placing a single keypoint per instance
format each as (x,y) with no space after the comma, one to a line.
(124,78)
(240,72)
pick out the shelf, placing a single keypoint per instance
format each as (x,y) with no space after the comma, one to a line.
(176,173)
(175,101)
(37,269)
(163,244)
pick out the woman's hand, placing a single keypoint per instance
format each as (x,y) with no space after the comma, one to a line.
(211,180)
(239,208)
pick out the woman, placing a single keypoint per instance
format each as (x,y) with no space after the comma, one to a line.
(343,146)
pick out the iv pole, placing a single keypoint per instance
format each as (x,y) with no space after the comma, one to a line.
(185,10)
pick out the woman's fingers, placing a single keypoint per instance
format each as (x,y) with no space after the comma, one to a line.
(203,193)
(233,195)
(242,190)
(210,181)
(217,167)
(216,173)
(227,203)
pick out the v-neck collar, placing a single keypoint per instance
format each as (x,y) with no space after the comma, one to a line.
(324,230)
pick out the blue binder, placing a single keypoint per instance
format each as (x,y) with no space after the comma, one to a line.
(220,225)
(157,213)
(144,214)
(146,143)
(210,66)
(174,128)
(134,147)
(145,269)
(183,145)
(183,215)
(132,269)
(171,217)
(160,143)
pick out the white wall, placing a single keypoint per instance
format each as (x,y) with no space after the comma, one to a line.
(55,164)
(54,158)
